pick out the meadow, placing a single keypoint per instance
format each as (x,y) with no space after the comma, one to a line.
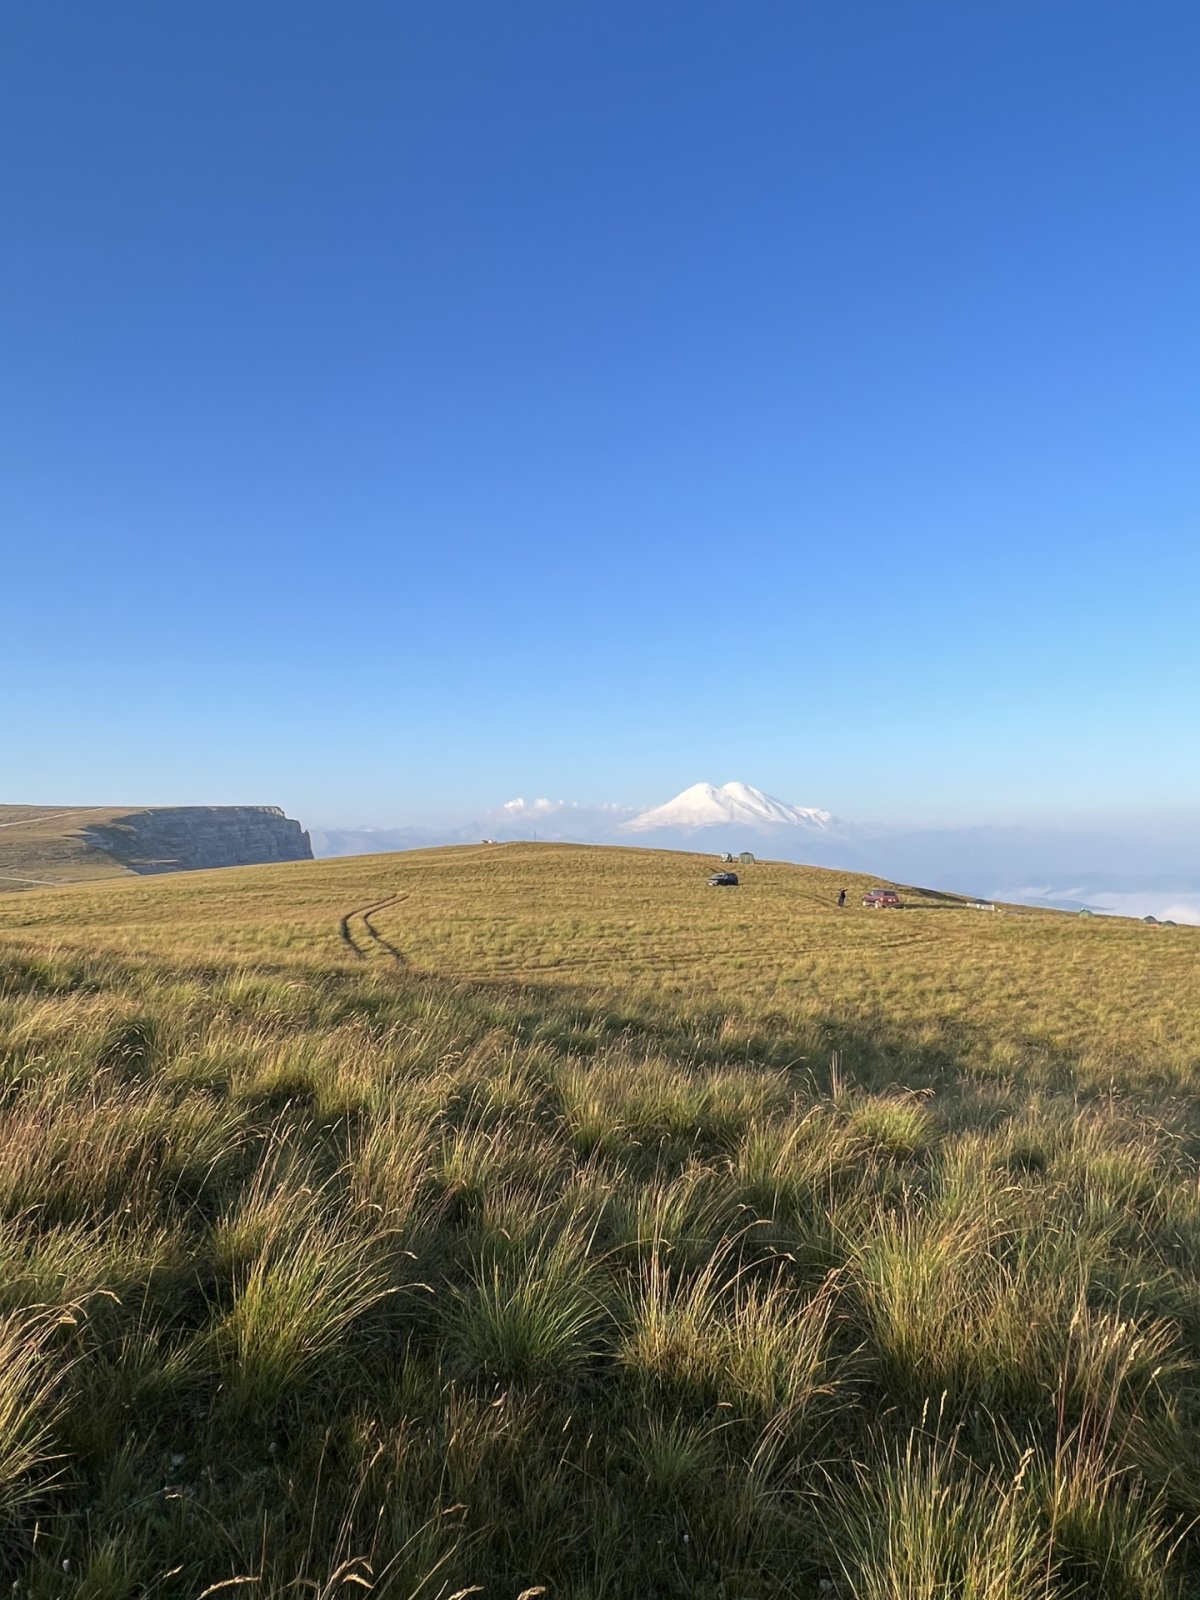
(41,845)
(532,1219)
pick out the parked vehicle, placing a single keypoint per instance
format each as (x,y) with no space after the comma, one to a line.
(724,880)
(882,900)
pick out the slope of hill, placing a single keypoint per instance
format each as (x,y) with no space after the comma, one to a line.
(633,920)
(42,845)
(1065,868)
(527,1216)
(45,845)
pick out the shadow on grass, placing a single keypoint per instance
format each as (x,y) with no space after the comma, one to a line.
(872,1051)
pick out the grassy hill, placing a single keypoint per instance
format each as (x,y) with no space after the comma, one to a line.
(42,845)
(533,1216)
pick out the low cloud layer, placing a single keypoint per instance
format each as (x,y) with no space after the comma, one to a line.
(521,809)
(1167,908)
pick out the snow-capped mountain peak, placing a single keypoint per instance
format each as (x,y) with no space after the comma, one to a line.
(732,805)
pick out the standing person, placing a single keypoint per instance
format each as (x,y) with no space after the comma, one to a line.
(841,899)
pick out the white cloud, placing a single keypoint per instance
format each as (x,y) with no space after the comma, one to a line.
(520,807)
(1166,907)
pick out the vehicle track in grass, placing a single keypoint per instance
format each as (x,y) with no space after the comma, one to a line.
(611,959)
(51,816)
(360,935)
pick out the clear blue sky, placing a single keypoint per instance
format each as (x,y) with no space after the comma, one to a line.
(405,407)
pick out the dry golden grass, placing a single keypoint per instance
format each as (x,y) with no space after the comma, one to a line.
(533,1216)
(42,845)
(1011,991)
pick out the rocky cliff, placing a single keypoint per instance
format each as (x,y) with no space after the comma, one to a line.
(183,838)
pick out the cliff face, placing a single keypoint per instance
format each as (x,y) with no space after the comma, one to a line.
(184,838)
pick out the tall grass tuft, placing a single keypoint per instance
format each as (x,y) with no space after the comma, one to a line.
(313,1271)
(715,1337)
(923,1522)
(1109,1534)
(30,1401)
(536,1315)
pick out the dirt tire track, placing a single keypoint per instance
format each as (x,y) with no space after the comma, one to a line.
(348,938)
(397,955)
(374,937)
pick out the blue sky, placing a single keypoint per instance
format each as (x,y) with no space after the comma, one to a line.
(402,408)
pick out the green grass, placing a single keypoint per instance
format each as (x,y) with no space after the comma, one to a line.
(561,1224)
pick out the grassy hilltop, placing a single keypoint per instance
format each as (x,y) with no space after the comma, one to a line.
(533,1216)
(44,845)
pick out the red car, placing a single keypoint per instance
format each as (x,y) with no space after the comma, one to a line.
(882,899)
